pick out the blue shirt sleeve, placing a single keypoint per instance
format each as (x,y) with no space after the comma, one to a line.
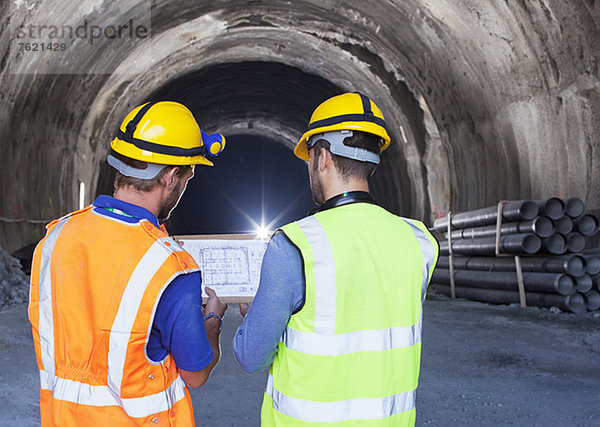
(280,294)
(178,326)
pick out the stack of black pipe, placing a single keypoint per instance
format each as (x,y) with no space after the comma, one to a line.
(549,235)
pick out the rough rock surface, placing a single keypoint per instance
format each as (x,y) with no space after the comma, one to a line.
(14,284)
(485,100)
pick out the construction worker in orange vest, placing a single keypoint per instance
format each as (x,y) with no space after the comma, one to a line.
(116,304)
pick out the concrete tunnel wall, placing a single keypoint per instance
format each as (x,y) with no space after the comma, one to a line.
(484,100)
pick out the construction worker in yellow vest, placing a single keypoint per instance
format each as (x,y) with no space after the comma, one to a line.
(116,304)
(337,316)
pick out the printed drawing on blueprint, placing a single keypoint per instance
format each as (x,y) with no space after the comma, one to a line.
(230,267)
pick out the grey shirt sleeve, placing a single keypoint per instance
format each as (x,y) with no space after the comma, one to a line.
(280,294)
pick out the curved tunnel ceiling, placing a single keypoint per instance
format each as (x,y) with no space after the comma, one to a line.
(263,99)
(234,97)
(484,100)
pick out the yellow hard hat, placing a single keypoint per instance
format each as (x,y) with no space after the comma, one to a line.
(165,132)
(349,111)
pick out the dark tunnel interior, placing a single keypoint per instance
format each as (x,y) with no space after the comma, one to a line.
(256,181)
(222,93)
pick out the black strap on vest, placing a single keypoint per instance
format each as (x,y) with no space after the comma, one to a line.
(345,199)
(366,116)
(151,146)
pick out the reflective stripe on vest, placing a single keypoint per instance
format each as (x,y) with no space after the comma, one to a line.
(352,342)
(46,323)
(325,342)
(429,251)
(101,395)
(325,293)
(109,395)
(334,412)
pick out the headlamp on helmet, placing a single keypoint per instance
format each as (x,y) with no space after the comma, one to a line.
(165,132)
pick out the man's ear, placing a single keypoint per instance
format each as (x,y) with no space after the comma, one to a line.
(169,179)
(324,158)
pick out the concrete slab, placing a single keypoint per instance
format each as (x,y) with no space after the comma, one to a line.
(482,365)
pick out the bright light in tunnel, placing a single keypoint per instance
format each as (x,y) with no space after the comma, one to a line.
(262,232)
(255,188)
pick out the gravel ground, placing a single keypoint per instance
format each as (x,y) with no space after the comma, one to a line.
(483,365)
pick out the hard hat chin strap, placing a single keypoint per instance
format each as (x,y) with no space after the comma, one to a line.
(336,146)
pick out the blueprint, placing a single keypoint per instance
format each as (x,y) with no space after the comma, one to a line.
(229,266)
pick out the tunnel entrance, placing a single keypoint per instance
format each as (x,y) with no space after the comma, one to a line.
(255,182)
(268,99)
(471,93)
(254,103)
(262,108)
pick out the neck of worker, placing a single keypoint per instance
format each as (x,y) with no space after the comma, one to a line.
(149,200)
(339,185)
(332,182)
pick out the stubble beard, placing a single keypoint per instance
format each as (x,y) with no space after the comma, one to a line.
(169,203)
(316,186)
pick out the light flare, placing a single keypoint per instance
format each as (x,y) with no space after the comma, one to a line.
(262,232)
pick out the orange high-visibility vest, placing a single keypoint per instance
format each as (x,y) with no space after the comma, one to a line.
(95,285)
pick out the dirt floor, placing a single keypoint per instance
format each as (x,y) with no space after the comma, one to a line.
(483,365)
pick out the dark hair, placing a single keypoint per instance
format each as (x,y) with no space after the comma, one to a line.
(144,185)
(349,168)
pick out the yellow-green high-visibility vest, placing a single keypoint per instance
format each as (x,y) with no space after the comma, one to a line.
(351,355)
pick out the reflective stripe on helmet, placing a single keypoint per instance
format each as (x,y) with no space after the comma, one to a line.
(151,146)
(366,116)
(131,126)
